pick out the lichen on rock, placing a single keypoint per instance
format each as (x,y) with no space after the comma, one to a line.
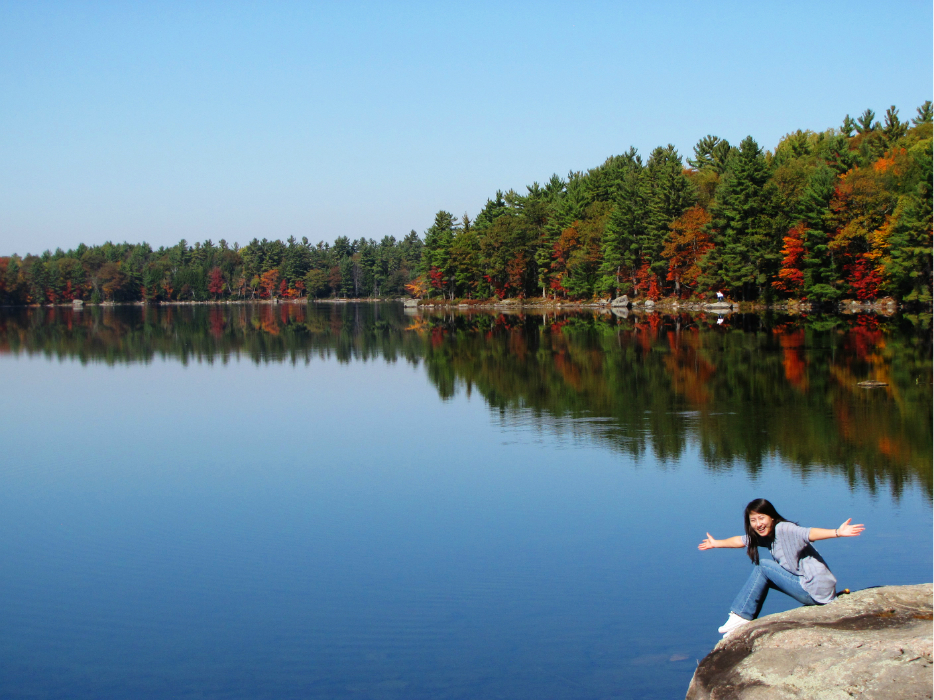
(875,643)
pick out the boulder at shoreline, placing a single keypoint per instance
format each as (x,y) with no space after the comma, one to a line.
(871,644)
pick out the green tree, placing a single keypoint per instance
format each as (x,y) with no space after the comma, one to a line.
(436,256)
(908,257)
(738,261)
(669,194)
(625,233)
(820,268)
(925,114)
(864,123)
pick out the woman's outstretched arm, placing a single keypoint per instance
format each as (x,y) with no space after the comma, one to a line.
(729,542)
(845,530)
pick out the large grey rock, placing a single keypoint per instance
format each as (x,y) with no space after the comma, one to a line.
(872,644)
(620,301)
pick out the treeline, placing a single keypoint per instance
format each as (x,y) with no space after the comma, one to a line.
(843,213)
(207,271)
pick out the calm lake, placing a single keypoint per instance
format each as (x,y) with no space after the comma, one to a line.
(353,501)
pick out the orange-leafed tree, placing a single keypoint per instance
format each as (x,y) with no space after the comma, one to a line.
(687,245)
(863,208)
(268,283)
(418,287)
(790,274)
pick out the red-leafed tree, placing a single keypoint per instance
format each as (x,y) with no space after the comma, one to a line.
(215,282)
(436,277)
(647,282)
(515,275)
(864,277)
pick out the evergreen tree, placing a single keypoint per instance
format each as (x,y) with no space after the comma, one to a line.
(864,123)
(894,129)
(925,114)
(820,268)
(669,194)
(436,257)
(711,152)
(740,226)
(909,250)
(624,234)
(848,127)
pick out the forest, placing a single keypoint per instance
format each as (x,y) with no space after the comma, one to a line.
(844,213)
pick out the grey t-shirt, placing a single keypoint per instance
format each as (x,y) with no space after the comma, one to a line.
(793,551)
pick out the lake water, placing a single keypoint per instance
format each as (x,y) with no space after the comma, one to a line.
(349,501)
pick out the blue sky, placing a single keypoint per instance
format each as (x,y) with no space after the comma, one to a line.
(168,120)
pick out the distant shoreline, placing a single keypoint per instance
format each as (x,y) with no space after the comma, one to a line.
(885,307)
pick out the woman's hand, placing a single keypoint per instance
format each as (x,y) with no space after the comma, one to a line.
(845,530)
(709,543)
(848,530)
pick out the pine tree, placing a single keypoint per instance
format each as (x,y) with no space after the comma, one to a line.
(925,114)
(864,122)
(820,268)
(436,258)
(624,234)
(908,260)
(739,222)
(668,195)
(894,129)
(848,127)
(711,152)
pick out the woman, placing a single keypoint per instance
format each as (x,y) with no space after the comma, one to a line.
(797,569)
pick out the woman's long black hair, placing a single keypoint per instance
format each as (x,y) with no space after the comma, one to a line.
(759,505)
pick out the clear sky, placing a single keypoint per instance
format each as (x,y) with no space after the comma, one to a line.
(167,120)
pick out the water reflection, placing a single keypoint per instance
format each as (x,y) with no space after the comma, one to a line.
(743,387)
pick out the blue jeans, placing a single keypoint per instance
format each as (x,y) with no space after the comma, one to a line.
(768,574)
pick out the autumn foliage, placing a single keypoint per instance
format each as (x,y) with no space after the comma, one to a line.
(689,242)
(790,275)
(268,283)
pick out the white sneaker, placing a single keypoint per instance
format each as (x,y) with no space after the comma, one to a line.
(732,622)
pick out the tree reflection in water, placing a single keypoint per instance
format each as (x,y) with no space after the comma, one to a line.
(741,391)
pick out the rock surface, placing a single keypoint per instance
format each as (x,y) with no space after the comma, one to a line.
(871,644)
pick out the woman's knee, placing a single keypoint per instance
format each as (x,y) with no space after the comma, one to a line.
(769,565)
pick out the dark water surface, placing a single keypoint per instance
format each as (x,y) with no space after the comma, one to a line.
(352,502)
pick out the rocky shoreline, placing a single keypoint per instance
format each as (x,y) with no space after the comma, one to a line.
(871,644)
(887,306)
